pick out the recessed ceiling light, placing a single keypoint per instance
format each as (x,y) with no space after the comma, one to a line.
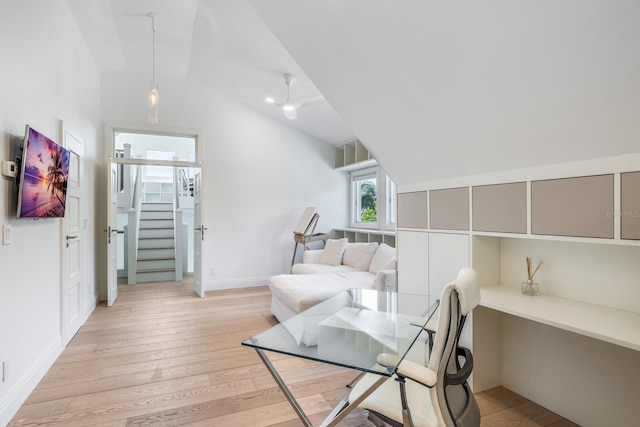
(269,100)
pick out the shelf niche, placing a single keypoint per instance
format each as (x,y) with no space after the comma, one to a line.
(352,155)
(365,236)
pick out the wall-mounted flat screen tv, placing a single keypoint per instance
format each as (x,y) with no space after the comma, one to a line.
(43,180)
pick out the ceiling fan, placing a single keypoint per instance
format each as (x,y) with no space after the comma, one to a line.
(290,108)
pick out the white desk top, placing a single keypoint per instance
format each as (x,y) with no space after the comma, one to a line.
(604,323)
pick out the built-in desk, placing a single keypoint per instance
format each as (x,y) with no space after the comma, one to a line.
(577,359)
(595,321)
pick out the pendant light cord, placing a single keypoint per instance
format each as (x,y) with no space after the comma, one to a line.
(153,48)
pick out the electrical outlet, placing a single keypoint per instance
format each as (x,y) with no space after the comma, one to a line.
(6,234)
(212,271)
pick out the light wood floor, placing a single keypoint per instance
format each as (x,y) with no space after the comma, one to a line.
(162,356)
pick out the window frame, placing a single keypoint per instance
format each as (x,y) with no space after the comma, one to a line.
(151,172)
(385,202)
(354,197)
(390,198)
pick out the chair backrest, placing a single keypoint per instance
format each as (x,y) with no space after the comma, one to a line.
(452,398)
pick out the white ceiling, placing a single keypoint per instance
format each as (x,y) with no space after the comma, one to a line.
(434,89)
(221,43)
(439,89)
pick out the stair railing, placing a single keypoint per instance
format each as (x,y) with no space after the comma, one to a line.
(180,243)
(134,226)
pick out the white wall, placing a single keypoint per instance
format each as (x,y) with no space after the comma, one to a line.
(258,174)
(470,87)
(46,75)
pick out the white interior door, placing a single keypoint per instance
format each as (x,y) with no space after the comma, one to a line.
(199,235)
(74,294)
(112,230)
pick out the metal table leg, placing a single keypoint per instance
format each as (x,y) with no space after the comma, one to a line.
(338,413)
(287,393)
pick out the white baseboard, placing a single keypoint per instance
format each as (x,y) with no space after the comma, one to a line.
(10,404)
(249,282)
(89,307)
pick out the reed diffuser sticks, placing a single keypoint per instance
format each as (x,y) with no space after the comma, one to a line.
(529,287)
(530,274)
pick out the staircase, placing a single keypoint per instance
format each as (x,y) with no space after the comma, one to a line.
(156,245)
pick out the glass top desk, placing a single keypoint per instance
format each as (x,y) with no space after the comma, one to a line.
(350,329)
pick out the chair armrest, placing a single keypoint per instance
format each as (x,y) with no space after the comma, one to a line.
(312,256)
(385,280)
(408,369)
(387,360)
(463,373)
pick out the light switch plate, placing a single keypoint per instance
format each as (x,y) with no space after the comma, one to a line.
(6,234)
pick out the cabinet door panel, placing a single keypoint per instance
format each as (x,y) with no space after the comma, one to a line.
(630,205)
(413,262)
(449,209)
(578,207)
(500,208)
(448,253)
(412,210)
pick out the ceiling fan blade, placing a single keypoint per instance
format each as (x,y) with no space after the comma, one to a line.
(290,114)
(309,101)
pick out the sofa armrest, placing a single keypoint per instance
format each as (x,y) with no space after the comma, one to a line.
(312,256)
(385,280)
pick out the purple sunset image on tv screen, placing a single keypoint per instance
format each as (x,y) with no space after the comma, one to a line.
(43,191)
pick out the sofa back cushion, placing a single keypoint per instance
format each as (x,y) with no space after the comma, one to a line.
(383,255)
(359,255)
(333,251)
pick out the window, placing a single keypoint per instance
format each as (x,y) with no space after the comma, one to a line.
(365,191)
(159,171)
(391,202)
(372,199)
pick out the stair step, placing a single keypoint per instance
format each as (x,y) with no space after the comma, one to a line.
(156,233)
(156,243)
(146,206)
(156,223)
(156,265)
(156,276)
(156,215)
(152,254)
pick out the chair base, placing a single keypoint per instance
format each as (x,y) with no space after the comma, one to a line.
(381,421)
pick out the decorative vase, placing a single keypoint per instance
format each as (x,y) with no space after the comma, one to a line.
(529,287)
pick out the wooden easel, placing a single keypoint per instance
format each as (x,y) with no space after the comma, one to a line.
(304,231)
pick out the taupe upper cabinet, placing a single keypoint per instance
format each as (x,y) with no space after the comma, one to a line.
(630,205)
(412,210)
(449,209)
(578,207)
(500,208)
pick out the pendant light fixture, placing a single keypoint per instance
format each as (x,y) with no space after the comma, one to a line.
(153,95)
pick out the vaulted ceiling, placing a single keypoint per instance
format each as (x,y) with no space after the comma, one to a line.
(434,89)
(221,43)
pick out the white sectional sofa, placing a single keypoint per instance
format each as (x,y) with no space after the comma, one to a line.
(326,272)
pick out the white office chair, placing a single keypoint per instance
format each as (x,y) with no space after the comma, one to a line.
(437,395)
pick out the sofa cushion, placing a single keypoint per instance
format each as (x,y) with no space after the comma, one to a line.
(359,255)
(381,257)
(312,256)
(300,292)
(389,265)
(319,268)
(333,251)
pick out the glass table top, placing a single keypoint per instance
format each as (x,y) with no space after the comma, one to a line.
(352,328)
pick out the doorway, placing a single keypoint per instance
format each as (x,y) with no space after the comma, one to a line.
(156,174)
